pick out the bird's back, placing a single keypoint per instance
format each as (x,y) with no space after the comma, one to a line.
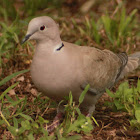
(100,68)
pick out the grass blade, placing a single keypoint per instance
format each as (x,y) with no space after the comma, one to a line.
(7,90)
(6,79)
(81,98)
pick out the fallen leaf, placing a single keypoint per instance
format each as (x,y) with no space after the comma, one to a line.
(20,78)
(34,91)
(12,92)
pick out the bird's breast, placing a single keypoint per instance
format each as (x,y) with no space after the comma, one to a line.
(55,76)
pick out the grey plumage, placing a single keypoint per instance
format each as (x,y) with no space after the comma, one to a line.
(56,71)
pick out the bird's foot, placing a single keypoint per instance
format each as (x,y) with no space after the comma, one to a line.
(55,122)
(87,114)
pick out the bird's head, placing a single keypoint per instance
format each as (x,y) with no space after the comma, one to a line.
(42,29)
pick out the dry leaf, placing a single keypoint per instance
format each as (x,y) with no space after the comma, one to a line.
(34,91)
(12,92)
(20,78)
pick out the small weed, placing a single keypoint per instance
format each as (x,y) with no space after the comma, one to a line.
(127,99)
(82,123)
(91,29)
(119,28)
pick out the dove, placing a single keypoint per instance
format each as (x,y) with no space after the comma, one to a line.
(59,67)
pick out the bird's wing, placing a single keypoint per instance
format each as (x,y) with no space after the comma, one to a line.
(102,68)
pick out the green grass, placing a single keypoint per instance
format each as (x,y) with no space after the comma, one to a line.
(127,99)
(91,29)
(113,32)
(31,6)
(22,124)
(7,10)
(119,28)
(9,40)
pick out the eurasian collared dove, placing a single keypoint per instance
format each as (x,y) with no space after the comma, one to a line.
(59,67)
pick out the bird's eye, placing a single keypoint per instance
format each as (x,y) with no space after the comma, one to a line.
(42,28)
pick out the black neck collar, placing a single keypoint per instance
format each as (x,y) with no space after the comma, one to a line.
(58,49)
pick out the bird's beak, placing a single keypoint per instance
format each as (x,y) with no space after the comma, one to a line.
(26,38)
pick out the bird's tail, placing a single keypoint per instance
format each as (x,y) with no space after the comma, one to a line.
(132,64)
